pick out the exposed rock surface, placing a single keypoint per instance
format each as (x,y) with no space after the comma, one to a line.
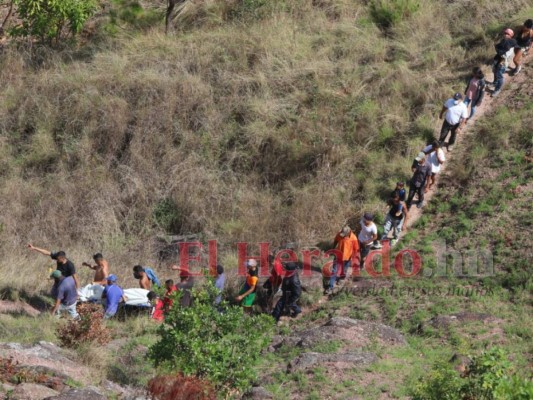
(46,358)
(354,332)
(444,321)
(18,307)
(31,391)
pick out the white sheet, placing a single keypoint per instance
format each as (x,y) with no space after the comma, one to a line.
(134,296)
(91,293)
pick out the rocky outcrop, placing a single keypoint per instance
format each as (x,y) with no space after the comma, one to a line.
(353,332)
(31,391)
(18,307)
(46,358)
(444,321)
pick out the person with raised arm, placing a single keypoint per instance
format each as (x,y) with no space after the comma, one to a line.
(64,265)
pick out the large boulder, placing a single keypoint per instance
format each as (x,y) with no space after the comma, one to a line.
(46,358)
(31,391)
(18,307)
(352,332)
(337,360)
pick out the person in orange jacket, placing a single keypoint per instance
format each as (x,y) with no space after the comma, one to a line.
(346,242)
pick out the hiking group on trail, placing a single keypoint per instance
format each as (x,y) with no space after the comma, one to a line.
(351,249)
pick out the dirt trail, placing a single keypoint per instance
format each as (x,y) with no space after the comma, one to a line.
(488,104)
(415,213)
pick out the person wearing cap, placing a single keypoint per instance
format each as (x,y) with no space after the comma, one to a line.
(101,269)
(112,295)
(505,47)
(65,294)
(421,172)
(435,158)
(346,242)
(292,290)
(63,264)
(455,114)
(247,293)
(475,90)
(367,236)
(524,38)
(395,219)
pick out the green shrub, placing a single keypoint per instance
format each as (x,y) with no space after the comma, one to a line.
(50,19)
(133,13)
(387,13)
(168,216)
(489,377)
(201,341)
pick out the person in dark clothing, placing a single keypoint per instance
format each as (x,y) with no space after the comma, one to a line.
(475,90)
(505,47)
(395,219)
(64,265)
(292,290)
(498,69)
(399,191)
(185,286)
(421,171)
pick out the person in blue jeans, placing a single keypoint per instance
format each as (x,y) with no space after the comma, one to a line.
(113,295)
(475,90)
(498,69)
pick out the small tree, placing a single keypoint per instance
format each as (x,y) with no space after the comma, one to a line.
(51,20)
(220,347)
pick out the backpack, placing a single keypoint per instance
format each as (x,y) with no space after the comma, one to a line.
(152,276)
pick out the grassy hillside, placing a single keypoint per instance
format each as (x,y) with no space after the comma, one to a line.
(483,205)
(274,121)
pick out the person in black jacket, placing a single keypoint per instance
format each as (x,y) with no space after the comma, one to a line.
(292,289)
(475,90)
(505,48)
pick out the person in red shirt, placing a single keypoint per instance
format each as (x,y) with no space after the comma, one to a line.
(158,306)
(170,288)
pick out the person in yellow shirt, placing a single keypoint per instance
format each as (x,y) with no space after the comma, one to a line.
(346,242)
(247,293)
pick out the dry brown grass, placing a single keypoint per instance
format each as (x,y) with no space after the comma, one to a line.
(276,127)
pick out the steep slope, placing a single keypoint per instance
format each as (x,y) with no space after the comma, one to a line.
(273,125)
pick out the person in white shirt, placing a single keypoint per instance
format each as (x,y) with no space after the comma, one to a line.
(367,236)
(435,157)
(456,115)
